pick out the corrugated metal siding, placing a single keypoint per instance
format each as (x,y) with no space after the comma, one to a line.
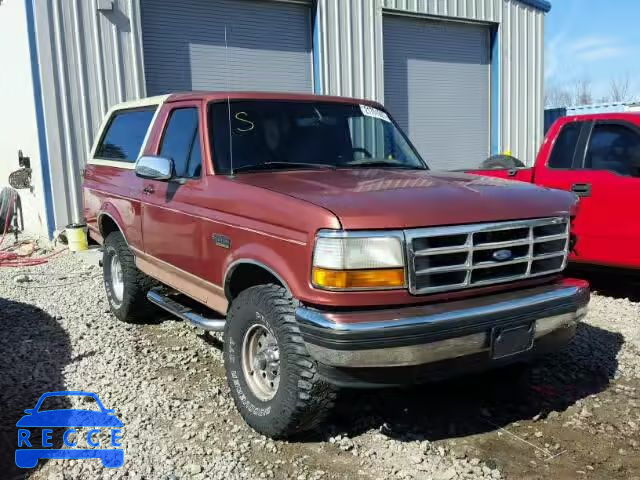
(522,32)
(269,46)
(436,91)
(356,26)
(350,47)
(89,60)
(480,10)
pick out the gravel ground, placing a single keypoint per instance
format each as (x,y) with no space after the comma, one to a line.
(575,415)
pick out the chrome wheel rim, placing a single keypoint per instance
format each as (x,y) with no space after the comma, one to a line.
(261,362)
(117,280)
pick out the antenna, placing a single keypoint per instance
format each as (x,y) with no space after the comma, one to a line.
(226,49)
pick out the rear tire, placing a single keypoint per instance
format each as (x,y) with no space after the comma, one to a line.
(126,286)
(262,319)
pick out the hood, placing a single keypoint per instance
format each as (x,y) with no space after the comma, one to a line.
(382,198)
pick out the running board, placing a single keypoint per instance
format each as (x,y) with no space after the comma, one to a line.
(185,313)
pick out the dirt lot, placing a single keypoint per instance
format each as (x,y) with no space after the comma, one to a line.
(575,415)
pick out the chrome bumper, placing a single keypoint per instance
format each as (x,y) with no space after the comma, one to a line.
(430,333)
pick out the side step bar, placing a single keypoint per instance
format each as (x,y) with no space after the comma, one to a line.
(185,313)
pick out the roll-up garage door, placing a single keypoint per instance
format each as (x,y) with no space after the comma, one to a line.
(437,86)
(269,45)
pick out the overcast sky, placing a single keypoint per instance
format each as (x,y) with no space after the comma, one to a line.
(595,39)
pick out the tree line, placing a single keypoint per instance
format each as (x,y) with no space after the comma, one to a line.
(580,92)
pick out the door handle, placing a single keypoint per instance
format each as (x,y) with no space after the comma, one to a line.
(581,189)
(148,190)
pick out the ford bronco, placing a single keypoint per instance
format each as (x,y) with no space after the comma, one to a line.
(310,231)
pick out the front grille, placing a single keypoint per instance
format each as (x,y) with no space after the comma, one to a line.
(465,256)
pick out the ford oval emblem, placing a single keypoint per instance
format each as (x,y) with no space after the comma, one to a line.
(502,255)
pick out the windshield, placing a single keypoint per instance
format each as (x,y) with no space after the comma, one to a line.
(269,135)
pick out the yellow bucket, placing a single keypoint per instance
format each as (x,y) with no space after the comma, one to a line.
(77,237)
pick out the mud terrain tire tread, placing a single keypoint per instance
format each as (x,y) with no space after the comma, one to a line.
(303,400)
(135,308)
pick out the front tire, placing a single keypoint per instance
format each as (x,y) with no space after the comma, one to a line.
(273,380)
(126,286)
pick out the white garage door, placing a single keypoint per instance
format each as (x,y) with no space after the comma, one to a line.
(437,86)
(269,45)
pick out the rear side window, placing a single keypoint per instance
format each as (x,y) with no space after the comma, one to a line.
(125,134)
(565,146)
(181,143)
(615,148)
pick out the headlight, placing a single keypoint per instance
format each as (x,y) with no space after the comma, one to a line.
(362,260)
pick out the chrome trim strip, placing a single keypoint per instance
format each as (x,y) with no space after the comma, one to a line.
(209,324)
(483,265)
(465,247)
(470,230)
(438,315)
(449,268)
(401,356)
(361,234)
(483,227)
(545,256)
(432,352)
(513,243)
(549,238)
(442,313)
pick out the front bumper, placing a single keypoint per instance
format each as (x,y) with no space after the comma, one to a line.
(419,335)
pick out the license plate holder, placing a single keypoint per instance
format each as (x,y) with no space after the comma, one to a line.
(506,342)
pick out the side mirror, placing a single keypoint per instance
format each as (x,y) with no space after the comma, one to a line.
(154,168)
(29,411)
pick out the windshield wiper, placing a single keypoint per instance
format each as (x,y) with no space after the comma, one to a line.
(382,164)
(280,165)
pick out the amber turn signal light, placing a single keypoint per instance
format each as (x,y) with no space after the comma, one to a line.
(349,279)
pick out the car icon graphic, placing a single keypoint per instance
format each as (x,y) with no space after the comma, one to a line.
(69,419)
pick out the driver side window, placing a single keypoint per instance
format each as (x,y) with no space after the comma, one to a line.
(181,143)
(614,148)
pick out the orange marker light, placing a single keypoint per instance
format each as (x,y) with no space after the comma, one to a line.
(348,279)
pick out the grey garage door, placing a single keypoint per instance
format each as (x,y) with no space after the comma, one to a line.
(436,77)
(269,45)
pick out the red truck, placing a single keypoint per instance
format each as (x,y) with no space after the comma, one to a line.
(309,230)
(597,157)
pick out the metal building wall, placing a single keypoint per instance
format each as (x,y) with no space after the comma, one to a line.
(351,56)
(350,48)
(89,59)
(522,105)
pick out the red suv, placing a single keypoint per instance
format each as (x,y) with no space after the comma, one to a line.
(311,232)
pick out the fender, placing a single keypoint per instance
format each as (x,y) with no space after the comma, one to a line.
(126,222)
(110,211)
(259,255)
